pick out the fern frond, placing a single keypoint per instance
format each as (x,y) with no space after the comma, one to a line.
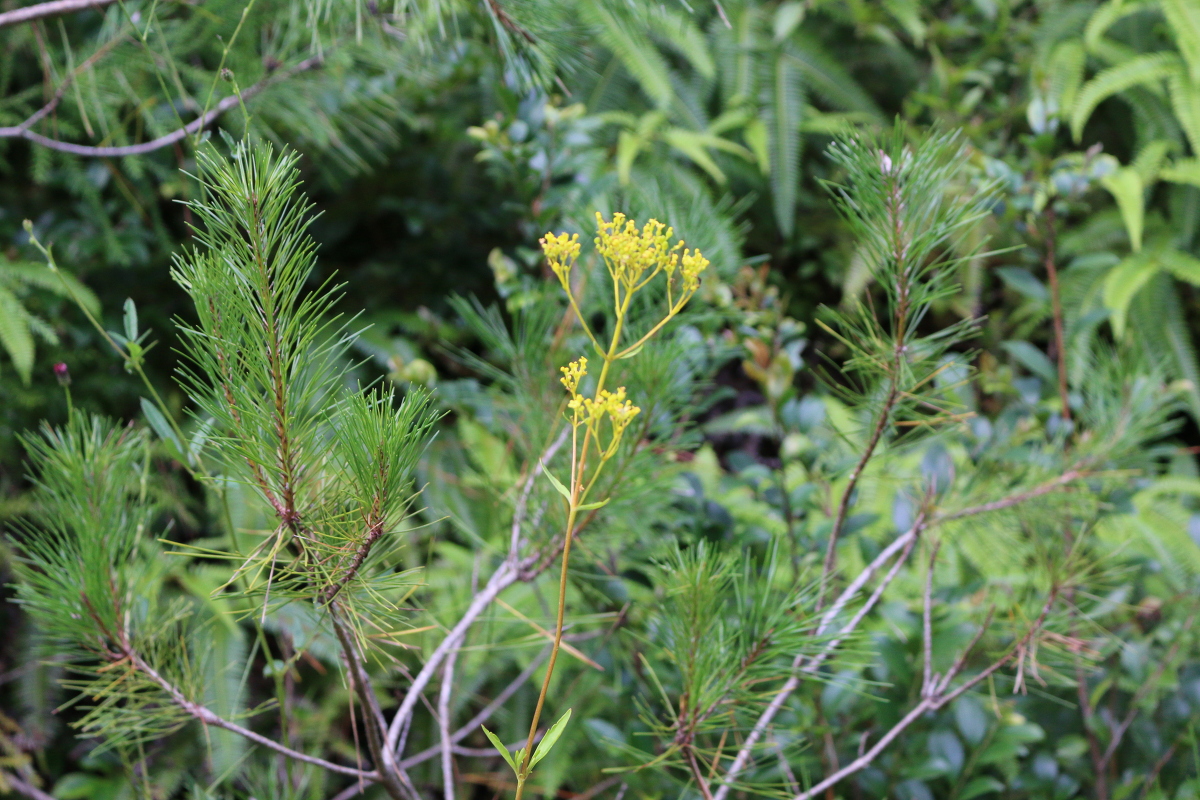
(1138,71)
(633,48)
(15,334)
(784,115)
(1183,18)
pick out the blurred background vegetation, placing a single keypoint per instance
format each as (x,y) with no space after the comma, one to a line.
(440,139)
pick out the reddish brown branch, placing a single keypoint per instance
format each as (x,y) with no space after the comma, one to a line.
(1060,348)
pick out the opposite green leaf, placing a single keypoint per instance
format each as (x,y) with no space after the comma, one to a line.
(549,739)
(131,320)
(556,482)
(499,745)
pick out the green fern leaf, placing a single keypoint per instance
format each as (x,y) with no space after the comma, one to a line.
(1186,104)
(681,34)
(1185,170)
(1183,17)
(633,49)
(1127,187)
(784,117)
(1122,283)
(1144,69)
(59,282)
(1149,160)
(829,79)
(1183,266)
(15,336)
(1065,72)
(1106,16)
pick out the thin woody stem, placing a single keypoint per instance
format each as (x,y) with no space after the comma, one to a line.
(839,520)
(697,773)
(447,743)
(1060,348)
(23,788)
(385,761)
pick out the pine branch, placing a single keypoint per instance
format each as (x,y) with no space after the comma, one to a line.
(51,9)
(902,544)
(1070,476)
(22,131)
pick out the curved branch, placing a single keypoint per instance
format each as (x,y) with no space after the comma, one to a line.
(207,717)
(932,702)
(51,9)
(22,131)
(23,788)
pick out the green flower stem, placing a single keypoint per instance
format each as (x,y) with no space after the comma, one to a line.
(579,493)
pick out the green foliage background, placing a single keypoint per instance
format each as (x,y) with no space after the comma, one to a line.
(439,140)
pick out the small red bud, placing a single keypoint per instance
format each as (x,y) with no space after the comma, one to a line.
(62,373)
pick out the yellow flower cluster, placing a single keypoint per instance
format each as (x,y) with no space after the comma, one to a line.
(561,252)
(572,373)
(693,265)
(591,411)
(630,254)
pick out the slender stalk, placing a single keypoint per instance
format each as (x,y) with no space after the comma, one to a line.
(1060,348)
(697,773)
(1146,687)
(579,492)
(929,678)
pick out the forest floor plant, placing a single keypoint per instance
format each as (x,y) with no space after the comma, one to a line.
(313,479)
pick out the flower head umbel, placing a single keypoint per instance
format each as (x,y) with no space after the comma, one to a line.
(561,252)
(633,256)
(572,373)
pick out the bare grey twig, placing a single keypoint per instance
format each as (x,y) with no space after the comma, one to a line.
(51,9)
(23,788)
(444,725)
(207,717)
(933,702)
(23,131)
